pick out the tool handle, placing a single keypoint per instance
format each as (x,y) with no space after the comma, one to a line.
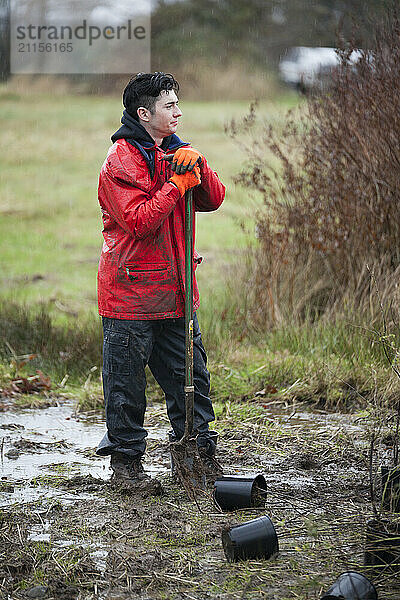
(189,387)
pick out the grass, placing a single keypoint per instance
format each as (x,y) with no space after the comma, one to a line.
(325,365)
(329,365)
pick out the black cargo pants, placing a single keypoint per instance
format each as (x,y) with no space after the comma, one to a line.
(128,347)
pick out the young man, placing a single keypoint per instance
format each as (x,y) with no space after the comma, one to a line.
(142,269)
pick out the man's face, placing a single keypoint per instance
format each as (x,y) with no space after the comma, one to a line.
(164,119)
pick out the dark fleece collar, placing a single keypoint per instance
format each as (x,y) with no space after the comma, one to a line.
(134,133)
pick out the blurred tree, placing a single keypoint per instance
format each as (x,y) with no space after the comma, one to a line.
(257,30)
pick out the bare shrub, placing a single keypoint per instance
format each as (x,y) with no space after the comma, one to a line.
(332,206)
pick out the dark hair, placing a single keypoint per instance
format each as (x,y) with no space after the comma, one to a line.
(144,89)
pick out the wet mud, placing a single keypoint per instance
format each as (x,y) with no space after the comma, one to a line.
(67,532)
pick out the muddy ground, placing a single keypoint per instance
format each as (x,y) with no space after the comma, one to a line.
(66,533)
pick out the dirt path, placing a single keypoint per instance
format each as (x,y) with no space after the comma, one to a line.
(67,534)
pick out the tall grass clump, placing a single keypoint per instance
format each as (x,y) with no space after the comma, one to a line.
(58,349)
(331,212)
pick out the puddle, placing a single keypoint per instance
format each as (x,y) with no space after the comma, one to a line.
(54,441)
(314,420)
(40,533)
(40,444)
(99,558)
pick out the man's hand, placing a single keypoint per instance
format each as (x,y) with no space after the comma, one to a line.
(187,180)
(185,159)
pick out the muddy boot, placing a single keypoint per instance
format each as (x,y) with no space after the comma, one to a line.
(130,478)
(127,468)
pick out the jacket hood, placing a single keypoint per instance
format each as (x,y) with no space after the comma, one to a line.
(134,133)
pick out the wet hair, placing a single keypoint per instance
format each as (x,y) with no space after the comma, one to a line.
(145,88)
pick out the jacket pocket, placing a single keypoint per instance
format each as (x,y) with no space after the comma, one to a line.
(116,356)
(147,273)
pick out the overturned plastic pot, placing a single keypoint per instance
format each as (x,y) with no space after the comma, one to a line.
(382,546)
(390,477)
(254,539)
(351,586)
(232,492)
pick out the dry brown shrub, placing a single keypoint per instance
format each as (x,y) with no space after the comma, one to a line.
(332,209)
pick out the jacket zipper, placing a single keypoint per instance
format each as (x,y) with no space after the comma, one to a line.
(175,245)
(132,272)
(181,283)
(145,270)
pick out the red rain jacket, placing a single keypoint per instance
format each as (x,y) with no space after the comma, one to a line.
(142,265)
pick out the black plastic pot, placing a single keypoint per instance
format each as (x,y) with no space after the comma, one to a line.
(172,438)
(236,491)
(254,539)
(390,477)
(382,546)
(351,586)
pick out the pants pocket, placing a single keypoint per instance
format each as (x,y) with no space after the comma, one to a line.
(116,355)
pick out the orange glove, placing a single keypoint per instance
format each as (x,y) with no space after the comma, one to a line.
(185,159)
(187,180)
